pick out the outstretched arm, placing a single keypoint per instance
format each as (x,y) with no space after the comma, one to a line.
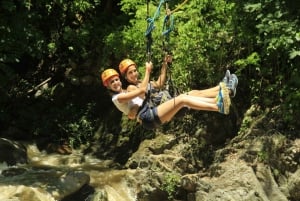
(146,79)
(133,91)
(126,97)
(159,83)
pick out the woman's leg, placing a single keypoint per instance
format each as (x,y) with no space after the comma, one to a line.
(205,99)
(209,93)
(167,110)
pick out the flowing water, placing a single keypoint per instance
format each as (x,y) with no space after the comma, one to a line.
(102,179)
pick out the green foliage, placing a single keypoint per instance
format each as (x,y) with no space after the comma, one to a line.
(246,124)
(291,108)
(74,124)
(273,35)
(19,36)
(78,130)
(263,156)
(170,183)
(84,5)
(257,40)
(251,60)
(203,29)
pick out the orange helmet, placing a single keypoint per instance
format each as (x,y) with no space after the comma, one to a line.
(108,73)
(124,65)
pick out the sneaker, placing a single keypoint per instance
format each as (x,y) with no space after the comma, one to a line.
(219,101)
(232,84)
(226,98)
(226,77)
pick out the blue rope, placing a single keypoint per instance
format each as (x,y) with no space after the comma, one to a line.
(150,21)
(170,28)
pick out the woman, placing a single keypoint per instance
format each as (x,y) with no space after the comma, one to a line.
(129,72)
(134,103)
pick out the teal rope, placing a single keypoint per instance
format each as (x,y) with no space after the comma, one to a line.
(150,21)
(166,31)
(151,27)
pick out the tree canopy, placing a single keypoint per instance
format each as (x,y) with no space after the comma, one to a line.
(52,53)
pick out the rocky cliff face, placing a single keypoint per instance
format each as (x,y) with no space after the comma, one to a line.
(260,163)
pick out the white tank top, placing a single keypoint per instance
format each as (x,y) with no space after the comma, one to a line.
(126,107)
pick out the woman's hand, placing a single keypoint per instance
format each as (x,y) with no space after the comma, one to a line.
(168,59)
(133,112)
(149,67)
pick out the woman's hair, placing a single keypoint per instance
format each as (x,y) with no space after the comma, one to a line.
(125,83)
(111,92)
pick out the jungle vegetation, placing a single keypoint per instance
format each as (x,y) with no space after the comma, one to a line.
(53,51)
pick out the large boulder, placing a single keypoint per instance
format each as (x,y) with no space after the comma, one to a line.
(41,185)
(12,152)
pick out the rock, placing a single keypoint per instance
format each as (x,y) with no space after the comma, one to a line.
(189,182)
(13,171)
(153,153)
(59,148)
(237,181)
(12,152)
(42,185)
(292,188)
(69,183)
(268,183)
(100,195)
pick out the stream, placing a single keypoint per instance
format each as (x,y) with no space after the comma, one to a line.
(102,178)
